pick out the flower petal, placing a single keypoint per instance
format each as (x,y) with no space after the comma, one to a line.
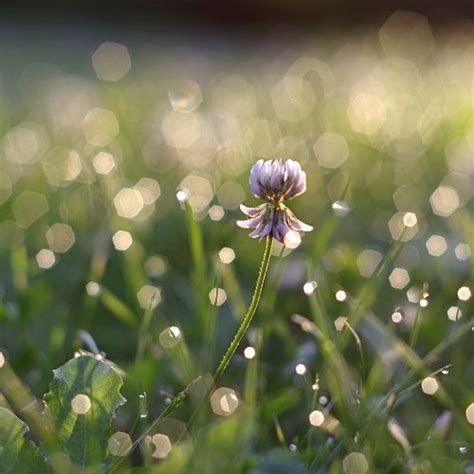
(249,223)
(295,224)
(252,211)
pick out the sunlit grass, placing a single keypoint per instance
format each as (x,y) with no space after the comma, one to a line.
(119,191)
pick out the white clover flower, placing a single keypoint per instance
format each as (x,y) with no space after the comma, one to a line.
(275,181)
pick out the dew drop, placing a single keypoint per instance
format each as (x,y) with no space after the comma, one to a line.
(143,407)
(182,196)
(341,208)
(323,400)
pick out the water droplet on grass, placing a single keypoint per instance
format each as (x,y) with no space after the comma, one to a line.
(341,208)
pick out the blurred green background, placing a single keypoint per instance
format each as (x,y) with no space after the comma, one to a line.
(99,134)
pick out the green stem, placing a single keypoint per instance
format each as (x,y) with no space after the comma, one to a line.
(178,399)
(244,325)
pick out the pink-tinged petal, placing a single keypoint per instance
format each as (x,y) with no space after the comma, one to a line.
(278,227)
(249,223)
(277,180)
(266,174)
(252,211)
(257,231)
(295,224)
(269,220)
(300,226)
(256,185)
(298,187)
(293,169)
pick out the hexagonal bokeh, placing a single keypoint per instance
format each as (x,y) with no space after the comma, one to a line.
(444,201)
(217,296)
(149,189)
(162,444)
(61,166)
(149,296)
(367,261)
(100,127)
(25,143)
(103,163)
(186,96)
(170,337)
(226,255)
(198,189)
(464,293)
(45,258)
(122,240)
(28,207)
(60,237)
(470,413)
(355,463)
(81,404)
(155,266)
(410,219)
(429,385)
(406,34)
(399,278)
(331,150)
(366,113)
(454,313)
(436,245)
(224,401)
(398,228)
(111,61)
(128,202)
(119,444)
(181,130)
(316,418)
(463,251)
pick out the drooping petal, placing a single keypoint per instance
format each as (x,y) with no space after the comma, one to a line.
(299,226)
(268,220)
(249,223)
(295,224)
(275,181)
(280,228)
(264,226)
(252,211)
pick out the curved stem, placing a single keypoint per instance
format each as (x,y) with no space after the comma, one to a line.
(179,398)
(244,325)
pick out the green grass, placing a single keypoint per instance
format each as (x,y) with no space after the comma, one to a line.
(366,379)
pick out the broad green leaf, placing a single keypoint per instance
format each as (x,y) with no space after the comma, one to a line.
(82,399)
(17,455)
(30,461)
(12,431)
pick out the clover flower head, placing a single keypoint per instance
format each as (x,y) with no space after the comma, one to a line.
(274,181)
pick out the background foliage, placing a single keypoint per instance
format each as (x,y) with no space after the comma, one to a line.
(97,252)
